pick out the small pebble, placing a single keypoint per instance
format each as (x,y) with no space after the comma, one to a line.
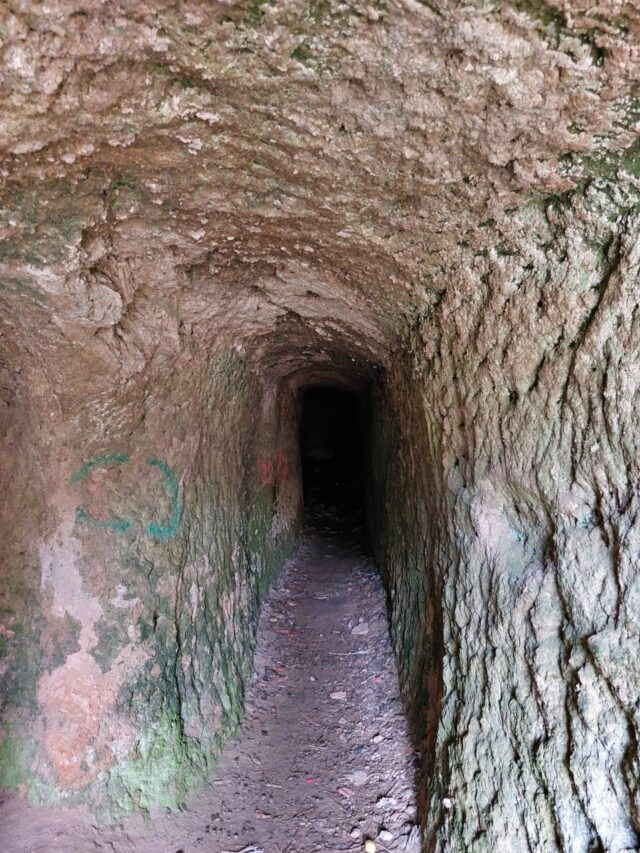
(358,778)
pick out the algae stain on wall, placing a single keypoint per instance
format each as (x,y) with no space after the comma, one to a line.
(77,696)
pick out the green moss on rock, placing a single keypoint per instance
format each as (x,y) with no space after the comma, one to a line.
(16,755)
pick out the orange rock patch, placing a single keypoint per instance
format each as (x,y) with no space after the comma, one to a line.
(76,698)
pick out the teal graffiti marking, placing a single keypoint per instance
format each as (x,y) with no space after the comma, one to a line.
(120,525)
(99,462)
(168,530)
(162,532)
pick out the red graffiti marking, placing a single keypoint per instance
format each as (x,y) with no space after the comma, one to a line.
(282,467)
(265,471)
(270,471)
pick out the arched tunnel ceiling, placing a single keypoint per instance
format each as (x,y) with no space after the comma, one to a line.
(282,174)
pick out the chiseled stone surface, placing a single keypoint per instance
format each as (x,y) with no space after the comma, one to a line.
(201,200)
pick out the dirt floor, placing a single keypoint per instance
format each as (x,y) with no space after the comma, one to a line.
(323,761)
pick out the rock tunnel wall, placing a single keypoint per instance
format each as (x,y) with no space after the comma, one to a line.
(129,624)
(405,527)
(506,500)
(205,206)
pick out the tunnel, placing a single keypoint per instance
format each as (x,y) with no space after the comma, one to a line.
(319,396)
(333,448)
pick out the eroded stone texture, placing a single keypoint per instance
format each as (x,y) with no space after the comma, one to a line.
(150,577)
(206,206)
(528,522)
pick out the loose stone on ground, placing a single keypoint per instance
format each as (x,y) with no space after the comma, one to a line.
(323,761)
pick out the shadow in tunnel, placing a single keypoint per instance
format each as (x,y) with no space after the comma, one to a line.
(332,448)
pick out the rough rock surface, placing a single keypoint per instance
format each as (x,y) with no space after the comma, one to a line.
(206,206)
(323,759)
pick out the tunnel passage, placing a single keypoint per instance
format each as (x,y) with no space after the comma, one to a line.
(332,448)
(199,201)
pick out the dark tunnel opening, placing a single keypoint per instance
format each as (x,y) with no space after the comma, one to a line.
(333,451)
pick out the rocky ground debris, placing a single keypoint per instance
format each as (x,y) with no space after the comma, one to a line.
(324,760)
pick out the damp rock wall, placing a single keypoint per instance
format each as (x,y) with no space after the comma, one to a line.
(509,534)
(128,623)
(204,206)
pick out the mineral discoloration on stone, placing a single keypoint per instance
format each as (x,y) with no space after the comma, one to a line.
(77,701)
(62,581)
(206,206)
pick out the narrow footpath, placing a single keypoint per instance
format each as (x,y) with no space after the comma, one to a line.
(323,761)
